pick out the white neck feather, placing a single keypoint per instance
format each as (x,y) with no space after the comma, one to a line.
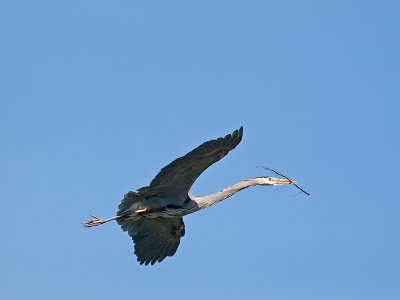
(206,201)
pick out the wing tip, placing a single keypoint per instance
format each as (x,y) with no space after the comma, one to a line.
(240,135)
(233,139)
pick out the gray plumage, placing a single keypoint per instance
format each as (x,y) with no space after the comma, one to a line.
(175,180)
(152,216)
(156,238)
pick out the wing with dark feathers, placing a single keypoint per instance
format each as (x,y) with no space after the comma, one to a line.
(154,238)
(178,177)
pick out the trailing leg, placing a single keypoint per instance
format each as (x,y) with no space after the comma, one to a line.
(97,221)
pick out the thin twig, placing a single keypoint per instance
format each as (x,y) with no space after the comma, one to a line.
(297,194)
(291,181)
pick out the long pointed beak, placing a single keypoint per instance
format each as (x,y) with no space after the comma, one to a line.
(284,181)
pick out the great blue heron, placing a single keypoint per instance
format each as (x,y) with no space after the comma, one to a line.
(153,215)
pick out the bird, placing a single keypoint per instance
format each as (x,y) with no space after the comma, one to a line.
(152,215)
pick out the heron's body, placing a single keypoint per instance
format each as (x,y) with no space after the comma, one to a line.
(153,215)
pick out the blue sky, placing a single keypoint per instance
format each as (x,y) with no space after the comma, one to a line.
(97,96)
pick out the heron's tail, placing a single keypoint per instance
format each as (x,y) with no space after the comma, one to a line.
(130,204)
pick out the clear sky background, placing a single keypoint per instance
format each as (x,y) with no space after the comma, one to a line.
(97,96)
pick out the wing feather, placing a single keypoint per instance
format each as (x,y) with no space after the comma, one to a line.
(154,238)
(178,177)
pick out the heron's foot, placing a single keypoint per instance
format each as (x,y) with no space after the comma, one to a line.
(141,210)
(96,221)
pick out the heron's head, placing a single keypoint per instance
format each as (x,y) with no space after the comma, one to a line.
(275,181)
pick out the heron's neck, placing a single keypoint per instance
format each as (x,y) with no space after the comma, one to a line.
(206,201)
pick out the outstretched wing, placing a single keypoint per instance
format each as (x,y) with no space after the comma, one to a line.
(154,238)
(178,177)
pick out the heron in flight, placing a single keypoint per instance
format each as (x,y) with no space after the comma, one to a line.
(152,215)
